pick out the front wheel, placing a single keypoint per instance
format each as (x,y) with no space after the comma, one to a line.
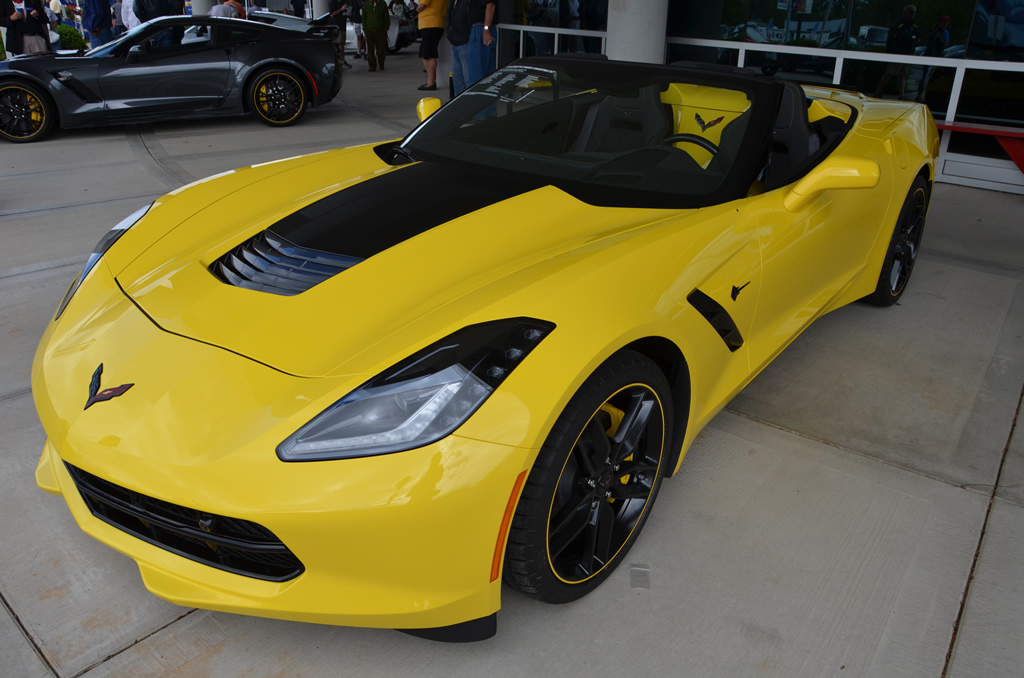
(25,113)
(277,97)
(904,245)
(593,484)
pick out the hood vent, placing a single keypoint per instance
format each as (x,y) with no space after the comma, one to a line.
(269,263)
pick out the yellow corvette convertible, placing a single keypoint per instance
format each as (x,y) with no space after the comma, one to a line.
(367,386)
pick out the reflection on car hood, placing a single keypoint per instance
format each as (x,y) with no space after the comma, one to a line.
(424,249)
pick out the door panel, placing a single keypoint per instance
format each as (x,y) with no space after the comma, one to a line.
(171,75)
(809,258)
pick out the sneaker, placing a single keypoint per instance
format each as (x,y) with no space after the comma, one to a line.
(357,55)
(372,70)
(428,87)
(346,65)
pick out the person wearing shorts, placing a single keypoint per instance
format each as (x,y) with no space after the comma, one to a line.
(430,15)
(338,9)
(356,7)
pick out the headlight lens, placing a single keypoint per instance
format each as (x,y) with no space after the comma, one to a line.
(421,399)
(101,247)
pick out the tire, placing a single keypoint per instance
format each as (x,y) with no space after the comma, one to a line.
(901,255)
(26,114)
(593,484)
(278,97)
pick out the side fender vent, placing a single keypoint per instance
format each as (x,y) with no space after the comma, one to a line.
(718,317)
(269,263)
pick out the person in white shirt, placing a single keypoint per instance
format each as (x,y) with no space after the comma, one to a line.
(128,14)
(224,9)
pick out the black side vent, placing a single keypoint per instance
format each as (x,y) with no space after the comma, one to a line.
(269,263)
(231,544)
(718,317)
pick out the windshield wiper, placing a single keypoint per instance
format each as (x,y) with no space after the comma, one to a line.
(405,153)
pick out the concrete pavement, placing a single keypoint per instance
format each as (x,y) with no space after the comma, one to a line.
(857,511)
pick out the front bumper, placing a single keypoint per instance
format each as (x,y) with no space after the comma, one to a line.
(418,556)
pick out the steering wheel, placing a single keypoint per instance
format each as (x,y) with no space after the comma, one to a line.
(693,139)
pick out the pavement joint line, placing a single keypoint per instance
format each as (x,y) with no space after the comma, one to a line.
(917,472)
(28,636)
(981,541)
(16,394)
(65,168)
(42,266)
(974,262)
(150,153)
(132,644)
(76,205)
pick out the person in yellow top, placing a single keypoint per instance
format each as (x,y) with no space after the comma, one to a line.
(430,14)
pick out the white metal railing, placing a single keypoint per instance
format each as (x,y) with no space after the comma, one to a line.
(511,29)
(960,67)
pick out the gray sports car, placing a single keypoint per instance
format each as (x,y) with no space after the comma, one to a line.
(172,67)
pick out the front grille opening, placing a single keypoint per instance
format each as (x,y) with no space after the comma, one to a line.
(231,544)
(269,263)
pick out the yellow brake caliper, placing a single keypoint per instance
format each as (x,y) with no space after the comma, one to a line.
(616,416)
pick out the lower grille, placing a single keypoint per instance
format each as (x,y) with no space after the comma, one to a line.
(231,544)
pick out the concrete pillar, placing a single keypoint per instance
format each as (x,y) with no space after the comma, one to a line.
(320,7)
(202,7)
(636,30)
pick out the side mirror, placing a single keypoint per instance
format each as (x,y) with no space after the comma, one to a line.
(835,172)
(427,107)
(134,53)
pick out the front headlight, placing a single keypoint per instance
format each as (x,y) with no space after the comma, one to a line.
(421,399)
(102,246)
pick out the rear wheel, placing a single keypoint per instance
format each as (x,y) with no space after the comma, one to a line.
(25,112)
(593,484)
(903,247)
(277,97)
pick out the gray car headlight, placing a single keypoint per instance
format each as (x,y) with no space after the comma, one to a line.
(421,399)
(101,248)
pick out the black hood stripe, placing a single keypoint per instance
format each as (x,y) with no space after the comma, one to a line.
(379,213)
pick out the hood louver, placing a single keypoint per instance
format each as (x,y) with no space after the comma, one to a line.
(268,263)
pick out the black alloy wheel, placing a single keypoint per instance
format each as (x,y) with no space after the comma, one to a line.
(277,97)
(25,112)
(593,484)
(903,247)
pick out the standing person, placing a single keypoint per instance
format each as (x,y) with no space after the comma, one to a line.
(338,9)
(97,22)
(470,23)
(118,18)
(481,38)
(903,37)
(430,15)
(356,10)
(935,44)
(376,21)
(224,9)
(151,9)
(28,29)
(128,14)
(299,8)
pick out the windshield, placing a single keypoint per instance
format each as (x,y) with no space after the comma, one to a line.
(111,47)
(617,130)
